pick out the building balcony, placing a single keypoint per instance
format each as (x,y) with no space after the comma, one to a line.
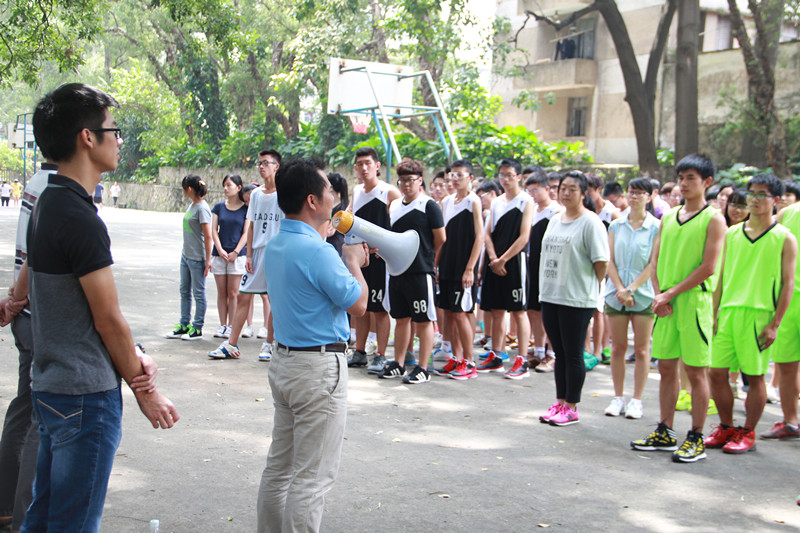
(565,74)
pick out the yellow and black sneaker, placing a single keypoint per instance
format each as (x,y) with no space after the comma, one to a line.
(692,450)
(662,439)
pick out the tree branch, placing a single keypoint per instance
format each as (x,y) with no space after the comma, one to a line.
(558,25)
(751,62)
(657,51)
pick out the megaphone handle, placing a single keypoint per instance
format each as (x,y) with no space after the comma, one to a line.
(352,239)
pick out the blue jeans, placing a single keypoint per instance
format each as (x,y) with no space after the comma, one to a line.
(193,283)
(78,437)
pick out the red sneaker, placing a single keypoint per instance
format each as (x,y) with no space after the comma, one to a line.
(464,370)
(781,430)
(720,436)
(452,364)
(744,441)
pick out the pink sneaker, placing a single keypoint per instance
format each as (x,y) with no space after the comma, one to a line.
(551,412)
(566,416)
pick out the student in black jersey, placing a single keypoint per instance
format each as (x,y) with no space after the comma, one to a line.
(457,262)
(371,201)
(505,274)
(411,293)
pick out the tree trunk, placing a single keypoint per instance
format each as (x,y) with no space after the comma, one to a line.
(686,130)
(760,63)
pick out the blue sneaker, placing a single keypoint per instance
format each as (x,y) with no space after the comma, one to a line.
(502,355)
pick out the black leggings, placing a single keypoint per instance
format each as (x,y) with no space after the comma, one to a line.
(566,329)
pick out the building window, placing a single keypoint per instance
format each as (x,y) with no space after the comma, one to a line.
(577,41)
(577,111)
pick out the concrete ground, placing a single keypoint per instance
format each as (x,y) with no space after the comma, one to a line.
(448,456)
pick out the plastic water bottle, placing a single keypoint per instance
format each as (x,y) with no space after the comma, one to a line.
(153,526)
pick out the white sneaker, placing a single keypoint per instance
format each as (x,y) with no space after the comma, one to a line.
(442,355)
(220,334)
(616,407)
(247,332)
(262,333)
(772,394)
(225,351)
(228,330)
(371,347)
(437,341)
(266,352)
(633,409)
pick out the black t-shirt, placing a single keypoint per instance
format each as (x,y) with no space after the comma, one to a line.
(460,229)
(66,241)
(423,216)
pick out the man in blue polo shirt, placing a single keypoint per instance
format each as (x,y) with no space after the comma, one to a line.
(311,290)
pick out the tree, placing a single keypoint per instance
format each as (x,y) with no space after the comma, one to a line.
(639,92)
(47,30)
(686,128)
(760,59)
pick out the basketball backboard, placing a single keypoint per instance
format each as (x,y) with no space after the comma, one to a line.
(351,90)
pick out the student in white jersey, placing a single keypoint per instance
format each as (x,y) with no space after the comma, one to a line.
(371,202)
(457,263)
(263,223)
(411,293)
(538,187)
(505,274)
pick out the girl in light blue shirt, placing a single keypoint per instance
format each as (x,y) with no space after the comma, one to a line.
(629,295)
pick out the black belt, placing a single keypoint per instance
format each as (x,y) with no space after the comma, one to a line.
(335,347)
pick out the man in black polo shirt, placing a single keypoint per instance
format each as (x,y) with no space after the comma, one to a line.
(82,343)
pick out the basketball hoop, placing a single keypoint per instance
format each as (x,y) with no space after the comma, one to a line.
(360,122)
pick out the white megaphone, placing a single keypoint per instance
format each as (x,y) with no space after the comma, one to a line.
(397,249)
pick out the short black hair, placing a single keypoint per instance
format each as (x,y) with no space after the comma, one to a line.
(554,175)
(513,163)
(530,169)
(437,176)
(66,111)
(462,163)
(613,187)
(273,153)
(295,181)
(490,185)
(538,177)
(196,183)
(246,189)
(699,162)
(792,187)
(593,180)
(775,186)
(655,184)
(366,151)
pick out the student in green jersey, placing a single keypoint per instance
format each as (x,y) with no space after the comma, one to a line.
(755,286)
(686,250)
(786,353)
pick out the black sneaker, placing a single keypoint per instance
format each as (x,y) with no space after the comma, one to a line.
(692,450)
(179,332)
(662,439)
(192,334)
(358,358)
(392,370)
(418,375)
